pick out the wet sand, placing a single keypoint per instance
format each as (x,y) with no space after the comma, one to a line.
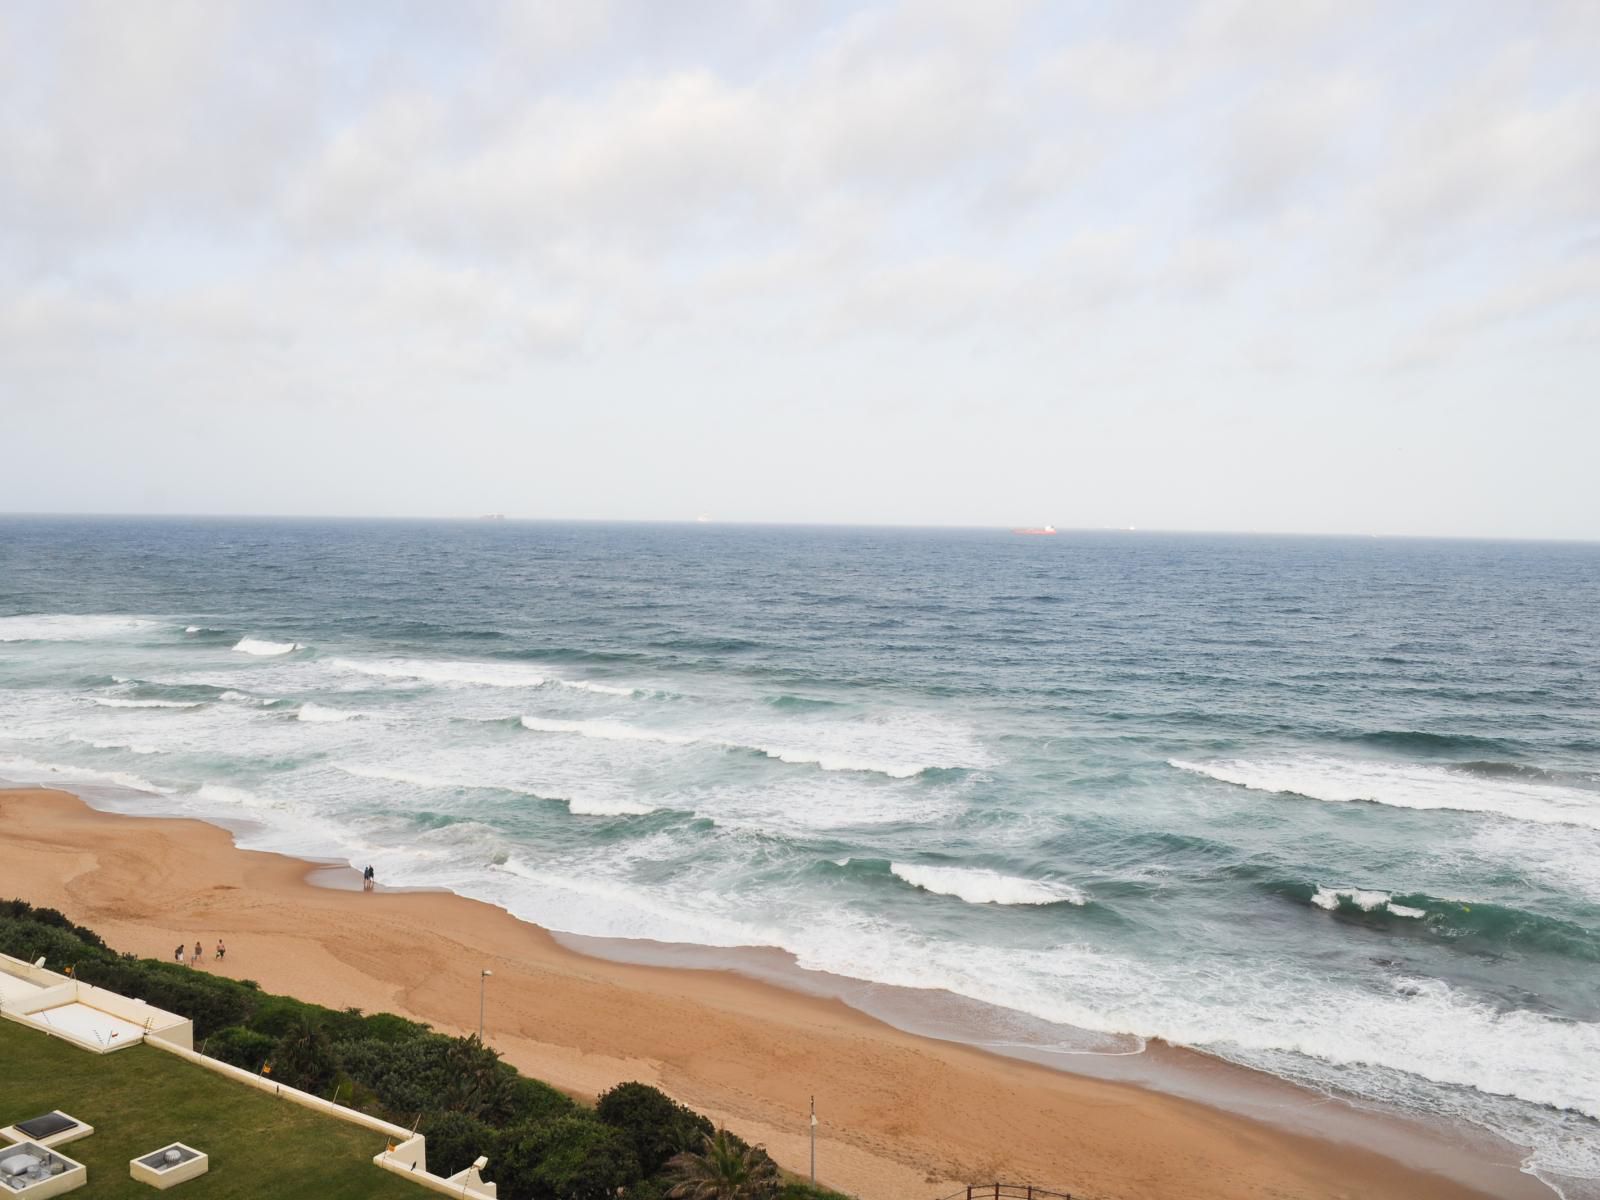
(903,1116)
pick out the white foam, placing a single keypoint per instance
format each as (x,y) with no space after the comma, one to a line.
(68,628)
(64,776)
(610,731)
(118,702)
(592,807)
(102,744)
(837,762)
(1366,901)
(265,649)
(978,886)
(588,685)
(395,775)
(616,731)
(322,714)
(446,672)
(1405,785)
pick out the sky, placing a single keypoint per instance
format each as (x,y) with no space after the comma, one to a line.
(1224,265)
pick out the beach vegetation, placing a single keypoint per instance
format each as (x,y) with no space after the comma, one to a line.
(541,1143)
(654,1124)
(573,1157)
(725,1167)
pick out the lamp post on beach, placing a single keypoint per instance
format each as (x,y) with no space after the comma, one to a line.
(813,1141)
(483,983)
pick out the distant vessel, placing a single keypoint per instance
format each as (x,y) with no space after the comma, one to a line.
(1042,531)
(492,517)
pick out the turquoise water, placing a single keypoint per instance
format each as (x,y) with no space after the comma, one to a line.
(1330,808)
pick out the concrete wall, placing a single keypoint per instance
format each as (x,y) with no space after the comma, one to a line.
(264,1083)
(409,1160)
(64,992)
(22,969)
(177,1029)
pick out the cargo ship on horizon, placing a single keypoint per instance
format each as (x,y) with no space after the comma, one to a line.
(1041,531)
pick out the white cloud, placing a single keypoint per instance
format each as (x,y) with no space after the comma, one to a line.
(246,210)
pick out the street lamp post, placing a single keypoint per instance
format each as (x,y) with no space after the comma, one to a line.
(483,983)
(813,1141)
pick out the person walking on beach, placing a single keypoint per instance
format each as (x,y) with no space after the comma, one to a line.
(369,879)
(221,950)
(178,954)
(199,952)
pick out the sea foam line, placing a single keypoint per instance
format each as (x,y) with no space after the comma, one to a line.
(118,702)
(68,627)
(976,885)
(615,731)
(1366,901)
(1404,785)
(265,649)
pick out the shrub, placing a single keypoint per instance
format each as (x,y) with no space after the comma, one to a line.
(239,1046)
(432,1072)
(656,1126)
(303,1057)
(569,1158)
(725,1168)
(533,1100)
(455,1140)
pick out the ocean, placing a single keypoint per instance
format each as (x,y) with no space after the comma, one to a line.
(1325,807)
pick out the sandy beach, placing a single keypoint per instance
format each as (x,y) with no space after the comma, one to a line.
(903,1117)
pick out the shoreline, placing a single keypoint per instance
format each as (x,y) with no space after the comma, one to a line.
(907,1112)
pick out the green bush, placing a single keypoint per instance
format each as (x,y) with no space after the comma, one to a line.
(569,1158)
(242,1047)
(656,1126)
(534,1100)
(432,1073)
(455,1140)
(541,1145)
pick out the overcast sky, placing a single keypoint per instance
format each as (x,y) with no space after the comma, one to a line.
(1326,267)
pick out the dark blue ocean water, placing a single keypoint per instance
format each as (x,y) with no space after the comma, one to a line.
(1328,807)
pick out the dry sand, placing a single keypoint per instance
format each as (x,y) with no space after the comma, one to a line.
(903,1117)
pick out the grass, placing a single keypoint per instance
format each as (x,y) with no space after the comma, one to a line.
(139,1099)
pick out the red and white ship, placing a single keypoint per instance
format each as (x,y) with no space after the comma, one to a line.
(1042,531)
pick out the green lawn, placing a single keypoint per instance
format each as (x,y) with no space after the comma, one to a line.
(140,1099)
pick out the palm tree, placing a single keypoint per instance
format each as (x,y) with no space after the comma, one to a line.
(724,1169)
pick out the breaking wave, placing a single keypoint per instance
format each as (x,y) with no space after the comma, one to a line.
(68,628)
(265,649)
(322,714)
(446,672)
(54,775)
(1406,785)
(103,744)
(590,807)
(118,702)
(615,731)
(1333,899)
(978,886)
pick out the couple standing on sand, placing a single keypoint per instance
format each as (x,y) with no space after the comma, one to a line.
(199,953)
(369,879)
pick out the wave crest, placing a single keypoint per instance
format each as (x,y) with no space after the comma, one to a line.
(265,649)
(68,627)
(976,885)
(324,715)
(118,702)
(1406,785)
(616,731)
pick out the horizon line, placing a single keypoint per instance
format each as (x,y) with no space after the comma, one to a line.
(499,518)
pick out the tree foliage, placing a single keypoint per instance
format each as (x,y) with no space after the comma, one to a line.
(724,1168)
(656,1126)
(570,1158)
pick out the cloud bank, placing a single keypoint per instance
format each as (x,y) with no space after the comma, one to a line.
(1230,264)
